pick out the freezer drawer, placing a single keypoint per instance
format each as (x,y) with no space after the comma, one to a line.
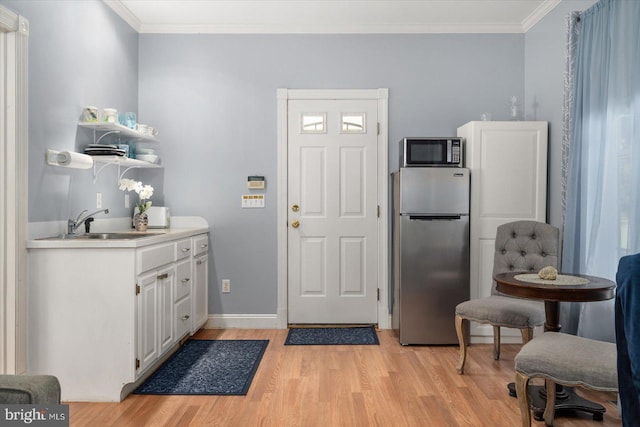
(434,190)
(433,277)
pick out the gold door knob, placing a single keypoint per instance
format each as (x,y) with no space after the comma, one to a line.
(295,224)
(295,208)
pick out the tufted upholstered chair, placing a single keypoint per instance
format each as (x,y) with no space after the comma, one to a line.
(525,246)
(29,389)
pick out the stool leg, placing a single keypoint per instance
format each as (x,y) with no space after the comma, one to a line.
(460,324)
(496,342)
(550,408)
(522,381)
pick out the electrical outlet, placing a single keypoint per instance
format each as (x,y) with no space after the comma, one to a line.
(98,200)
(127,203)
(226,286)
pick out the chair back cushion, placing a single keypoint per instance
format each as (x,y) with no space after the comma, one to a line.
(525,246)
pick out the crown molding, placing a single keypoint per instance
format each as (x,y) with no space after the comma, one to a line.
(302,28)
(124,13)
(537,15)
(332,29)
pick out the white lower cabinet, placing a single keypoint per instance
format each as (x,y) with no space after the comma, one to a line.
(148,348)
(155,315)
(200,301)
(101,318)
(183,317)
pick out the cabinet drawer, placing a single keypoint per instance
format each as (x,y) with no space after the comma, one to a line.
(183,279)
(183,248)
(183,317)
(200,244)
(155,256)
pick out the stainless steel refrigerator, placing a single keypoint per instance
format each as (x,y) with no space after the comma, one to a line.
(431,252)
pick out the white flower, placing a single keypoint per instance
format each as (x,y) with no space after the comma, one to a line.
(144,192)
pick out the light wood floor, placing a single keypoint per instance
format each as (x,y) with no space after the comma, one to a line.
(385,385)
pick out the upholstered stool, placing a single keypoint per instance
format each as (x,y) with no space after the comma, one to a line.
(29,389)
(563,359)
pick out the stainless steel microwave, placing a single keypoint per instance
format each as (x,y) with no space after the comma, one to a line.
(428,152)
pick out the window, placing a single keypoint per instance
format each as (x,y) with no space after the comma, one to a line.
(353,123)
(313,123)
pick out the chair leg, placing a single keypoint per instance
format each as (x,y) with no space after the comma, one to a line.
(527,335)
(550,408)
(460,323)
(522,381)
(496,342)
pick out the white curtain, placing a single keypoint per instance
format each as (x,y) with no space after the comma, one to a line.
(602,216)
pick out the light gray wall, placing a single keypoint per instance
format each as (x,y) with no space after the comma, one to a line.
(545,60)
(80,53)
(213,98)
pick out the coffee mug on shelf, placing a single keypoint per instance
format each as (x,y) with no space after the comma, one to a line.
(110,115)
(89,114)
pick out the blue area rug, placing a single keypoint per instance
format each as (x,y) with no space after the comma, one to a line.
(364,335)
(215,367)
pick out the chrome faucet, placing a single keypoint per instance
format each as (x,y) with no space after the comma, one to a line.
(72,225)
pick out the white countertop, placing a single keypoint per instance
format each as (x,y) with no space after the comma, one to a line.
(182,228)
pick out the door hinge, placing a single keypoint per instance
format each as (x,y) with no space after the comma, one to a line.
(378,294)
(137,363)
(137,289)
(378,211)
(378,128)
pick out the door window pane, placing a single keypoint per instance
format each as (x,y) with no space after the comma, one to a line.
(353,123)
(313,123)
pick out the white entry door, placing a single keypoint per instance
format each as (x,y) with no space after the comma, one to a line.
(332,211)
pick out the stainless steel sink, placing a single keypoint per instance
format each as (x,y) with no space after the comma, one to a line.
(100,236)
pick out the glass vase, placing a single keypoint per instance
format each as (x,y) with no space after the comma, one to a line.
(140,221)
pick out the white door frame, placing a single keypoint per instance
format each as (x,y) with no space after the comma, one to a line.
(382,96)
(14,142)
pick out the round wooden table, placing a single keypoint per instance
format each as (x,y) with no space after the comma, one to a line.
(595,289)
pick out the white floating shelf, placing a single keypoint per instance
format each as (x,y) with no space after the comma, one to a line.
(123,161)
(117,127)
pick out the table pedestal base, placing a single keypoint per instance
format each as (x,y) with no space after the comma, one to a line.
(566,399)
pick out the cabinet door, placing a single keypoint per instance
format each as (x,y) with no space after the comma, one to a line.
(166,284)
(148,349)
(200,299)
(508,164)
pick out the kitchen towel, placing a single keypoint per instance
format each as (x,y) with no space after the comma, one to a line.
(69,159)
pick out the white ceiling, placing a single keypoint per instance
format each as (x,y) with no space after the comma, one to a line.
(332,16)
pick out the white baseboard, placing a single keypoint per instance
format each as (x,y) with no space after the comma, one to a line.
(245,321)
(242,321)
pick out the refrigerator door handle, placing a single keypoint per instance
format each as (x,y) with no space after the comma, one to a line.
(434,217)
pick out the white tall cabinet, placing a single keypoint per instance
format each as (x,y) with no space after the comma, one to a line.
(508,163)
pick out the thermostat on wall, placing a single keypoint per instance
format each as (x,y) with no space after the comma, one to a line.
(255,183)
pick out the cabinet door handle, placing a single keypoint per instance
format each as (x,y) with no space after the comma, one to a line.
(185,317)
(198,262)
(186,249)
(186,280)
(204,245)
(162,276)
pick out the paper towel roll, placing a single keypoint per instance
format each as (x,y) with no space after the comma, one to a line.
(70,159)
